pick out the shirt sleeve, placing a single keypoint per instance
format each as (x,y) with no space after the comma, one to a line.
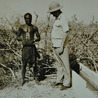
(64,24)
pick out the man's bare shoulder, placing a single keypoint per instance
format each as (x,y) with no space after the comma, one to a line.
(34,27)
(22,26)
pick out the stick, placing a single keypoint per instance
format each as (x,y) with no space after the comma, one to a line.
(13,75)
(36,16)
(59,60)
(11,51)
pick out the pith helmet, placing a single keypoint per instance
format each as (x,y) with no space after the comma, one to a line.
(54,6)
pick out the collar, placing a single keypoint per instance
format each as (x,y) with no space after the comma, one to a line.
(59,17)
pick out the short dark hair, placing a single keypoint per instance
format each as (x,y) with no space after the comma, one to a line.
(27,14)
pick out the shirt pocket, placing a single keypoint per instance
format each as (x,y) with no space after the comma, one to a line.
(57,24)
(58,27)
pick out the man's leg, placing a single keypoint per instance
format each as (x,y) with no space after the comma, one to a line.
(60,73)
(36,72)
(35,69)
(23,72)
(65,59)
(31,68)
(59,65)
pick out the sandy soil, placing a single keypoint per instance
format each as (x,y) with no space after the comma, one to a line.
(47,89)
(32,90)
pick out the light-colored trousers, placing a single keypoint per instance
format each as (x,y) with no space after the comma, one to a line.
(63,67)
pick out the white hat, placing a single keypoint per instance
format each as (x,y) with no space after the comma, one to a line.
(54,6)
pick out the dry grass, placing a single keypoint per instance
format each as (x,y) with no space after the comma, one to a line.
(83,40)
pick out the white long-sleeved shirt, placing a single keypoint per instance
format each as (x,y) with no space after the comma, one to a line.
(60,26)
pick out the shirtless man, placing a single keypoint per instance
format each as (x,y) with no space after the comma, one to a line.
(29,52)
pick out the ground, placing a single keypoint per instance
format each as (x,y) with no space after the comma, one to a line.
(46,89)
(32,90)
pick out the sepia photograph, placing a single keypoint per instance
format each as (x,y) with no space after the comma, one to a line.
(48,48)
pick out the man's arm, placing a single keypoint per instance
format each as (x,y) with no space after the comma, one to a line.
(65,29)
(60,50)
(19,34)
(37,36)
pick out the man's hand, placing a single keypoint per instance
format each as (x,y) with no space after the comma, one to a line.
(60,50)
(19,39)
(29,42)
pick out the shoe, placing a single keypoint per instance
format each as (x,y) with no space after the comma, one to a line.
(64,87)
(55,83)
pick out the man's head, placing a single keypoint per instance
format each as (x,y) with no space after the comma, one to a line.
(56,13)
(28,18)
(54,9)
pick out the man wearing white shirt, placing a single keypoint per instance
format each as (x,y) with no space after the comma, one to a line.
(59,43)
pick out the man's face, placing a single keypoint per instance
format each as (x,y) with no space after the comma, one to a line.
(28,19)
(54,13)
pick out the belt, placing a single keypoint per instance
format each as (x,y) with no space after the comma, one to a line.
(28,46)
(56,47)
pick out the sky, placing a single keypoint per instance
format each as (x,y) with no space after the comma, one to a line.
(84,9)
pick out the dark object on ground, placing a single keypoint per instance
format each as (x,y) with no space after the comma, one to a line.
(46,67)
(73,63)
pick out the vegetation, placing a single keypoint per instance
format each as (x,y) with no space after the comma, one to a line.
(83,40)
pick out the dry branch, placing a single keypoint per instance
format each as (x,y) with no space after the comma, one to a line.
(36,16)
(11,51)
(13,75)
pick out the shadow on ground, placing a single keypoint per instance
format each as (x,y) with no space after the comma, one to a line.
(45,67)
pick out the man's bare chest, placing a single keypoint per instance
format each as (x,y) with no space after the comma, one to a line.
(28,32)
